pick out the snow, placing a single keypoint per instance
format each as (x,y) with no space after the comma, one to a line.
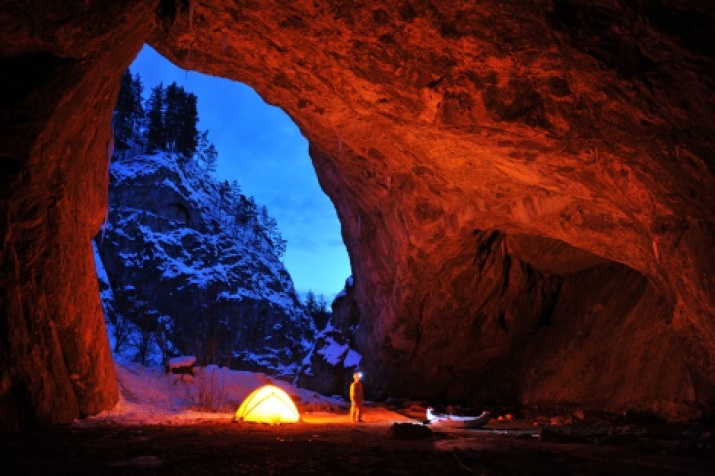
(352,359)
(199,192)
(183,361)
(333,352)
(203,252)
(148,396)
(101,271)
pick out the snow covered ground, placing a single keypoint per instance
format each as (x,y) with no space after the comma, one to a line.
(148,396)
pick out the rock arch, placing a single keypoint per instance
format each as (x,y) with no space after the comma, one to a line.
(457,144)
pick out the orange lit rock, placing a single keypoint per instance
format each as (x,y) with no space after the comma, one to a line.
(526,189)
(581,132)
(60,66)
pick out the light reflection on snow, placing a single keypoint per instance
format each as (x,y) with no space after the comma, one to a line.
(148,396)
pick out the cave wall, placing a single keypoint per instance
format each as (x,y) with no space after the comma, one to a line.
(433,127)
(585,123)
(60,63)
(609,345)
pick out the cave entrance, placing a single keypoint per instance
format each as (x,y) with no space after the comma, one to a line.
(420,138)
(201,237)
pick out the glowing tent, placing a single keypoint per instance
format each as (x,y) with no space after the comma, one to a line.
(267,404)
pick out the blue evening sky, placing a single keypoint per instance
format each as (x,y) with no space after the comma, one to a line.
(261,147)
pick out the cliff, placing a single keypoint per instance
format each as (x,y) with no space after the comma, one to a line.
(187,278)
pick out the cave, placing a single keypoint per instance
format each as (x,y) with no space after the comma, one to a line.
(525,189)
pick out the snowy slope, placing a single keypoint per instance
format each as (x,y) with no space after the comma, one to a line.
(180,275)
(333,358)
(150,396)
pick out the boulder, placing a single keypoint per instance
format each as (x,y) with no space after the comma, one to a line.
(409,431)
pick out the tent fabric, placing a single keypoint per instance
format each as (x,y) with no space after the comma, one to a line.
(268,404)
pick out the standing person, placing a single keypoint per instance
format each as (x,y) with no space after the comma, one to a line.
(356,398)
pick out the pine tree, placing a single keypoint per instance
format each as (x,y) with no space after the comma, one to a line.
(128,113)
(269,228)
(310,303)
(208,155)
(187,137)
(203,145)
(123,113)
(155,131)
(211,158)
(317,309)
(279,244)
(259,236)
(263,217)
(224,190)
(322,315)
(172,116)
(235,189)
(246,213)
(235,200)
(180,119)
(138,113)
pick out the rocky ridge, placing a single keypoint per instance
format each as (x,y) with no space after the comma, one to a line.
(329,366)
(182,277)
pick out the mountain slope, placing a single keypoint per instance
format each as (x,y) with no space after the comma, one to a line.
(190,274)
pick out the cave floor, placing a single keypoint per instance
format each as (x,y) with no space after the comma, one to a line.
(320,446)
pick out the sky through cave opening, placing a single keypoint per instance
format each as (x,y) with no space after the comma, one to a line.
(262,148)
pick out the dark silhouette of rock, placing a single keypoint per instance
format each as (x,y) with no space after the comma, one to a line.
(330,365)
(409,431)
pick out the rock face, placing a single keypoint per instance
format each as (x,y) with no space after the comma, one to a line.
(191,278)
(528,182)
(55,363)
(329,366)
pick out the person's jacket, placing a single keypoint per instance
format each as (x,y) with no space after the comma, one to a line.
(356,393)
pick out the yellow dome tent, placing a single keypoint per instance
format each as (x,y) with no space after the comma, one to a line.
(267,404)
